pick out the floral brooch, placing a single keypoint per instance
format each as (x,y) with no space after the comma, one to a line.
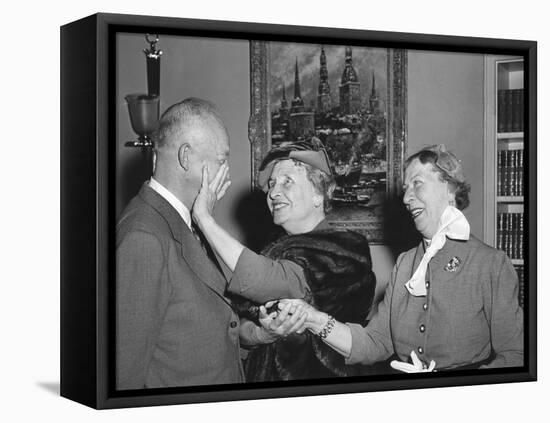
(453,264)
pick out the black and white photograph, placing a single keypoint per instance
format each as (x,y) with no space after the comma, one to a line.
(300,214)
(323,297)
(285,211)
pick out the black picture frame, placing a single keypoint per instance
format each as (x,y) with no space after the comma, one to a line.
(88,212)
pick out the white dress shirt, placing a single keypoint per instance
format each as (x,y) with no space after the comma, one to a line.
(173,200)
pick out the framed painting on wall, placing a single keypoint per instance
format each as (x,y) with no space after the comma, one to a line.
(351,98)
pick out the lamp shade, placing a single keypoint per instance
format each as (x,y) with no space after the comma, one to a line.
(144,113)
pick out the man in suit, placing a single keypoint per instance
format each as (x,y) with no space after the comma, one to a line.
(175,325)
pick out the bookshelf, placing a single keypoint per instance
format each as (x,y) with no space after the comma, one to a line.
(503,152)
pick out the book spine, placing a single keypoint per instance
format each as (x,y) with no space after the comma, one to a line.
(510,171)
(513,171)
(508,115)
(520,236)
(521,107)
(516,110)
(517,173)
(500,231)
(515,236)
(520,173)
(499,172)
(504,232)
(506,173)
(501,114)
(521,283)
(509,235)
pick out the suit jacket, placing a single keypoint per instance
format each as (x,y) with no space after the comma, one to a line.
(174,326)
(469,315)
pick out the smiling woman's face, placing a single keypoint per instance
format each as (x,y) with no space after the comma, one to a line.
(292,199)
(426,196)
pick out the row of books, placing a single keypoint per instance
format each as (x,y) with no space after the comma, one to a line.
(510,172)
(510,110)
(510,234)
(521,294)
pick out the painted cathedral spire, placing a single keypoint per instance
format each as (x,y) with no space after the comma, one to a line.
(284,103)
(297,93)
(350,96)
(349,74)
(297,102)
(323,97)
(373,98)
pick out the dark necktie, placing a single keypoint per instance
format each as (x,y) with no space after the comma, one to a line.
(205,246)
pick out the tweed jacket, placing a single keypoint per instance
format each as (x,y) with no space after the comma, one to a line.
(174,327)
(469,315)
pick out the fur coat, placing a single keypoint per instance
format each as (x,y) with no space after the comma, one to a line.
(338,269)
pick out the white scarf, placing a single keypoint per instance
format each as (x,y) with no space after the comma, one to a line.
(453,225)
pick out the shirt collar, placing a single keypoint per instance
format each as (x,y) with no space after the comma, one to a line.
(172,199)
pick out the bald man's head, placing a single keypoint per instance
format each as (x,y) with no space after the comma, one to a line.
(178,119)
(190,134)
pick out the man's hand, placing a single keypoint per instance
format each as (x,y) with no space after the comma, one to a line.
(417,365)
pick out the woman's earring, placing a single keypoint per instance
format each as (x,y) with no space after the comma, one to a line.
(317,203)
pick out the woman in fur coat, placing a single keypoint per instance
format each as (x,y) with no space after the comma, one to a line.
(332,267)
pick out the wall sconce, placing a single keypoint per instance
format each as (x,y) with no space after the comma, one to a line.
(144,109)
(144,117)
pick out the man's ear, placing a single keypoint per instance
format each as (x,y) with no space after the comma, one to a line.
(154,161)
(183,155)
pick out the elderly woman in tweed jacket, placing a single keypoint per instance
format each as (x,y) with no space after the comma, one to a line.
(451,303)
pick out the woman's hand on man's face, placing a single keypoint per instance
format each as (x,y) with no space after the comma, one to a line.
(210,192)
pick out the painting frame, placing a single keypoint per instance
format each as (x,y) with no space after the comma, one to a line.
(395,131)
(88,220)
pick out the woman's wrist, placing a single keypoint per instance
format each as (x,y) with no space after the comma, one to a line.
(203,220)
(319,321)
